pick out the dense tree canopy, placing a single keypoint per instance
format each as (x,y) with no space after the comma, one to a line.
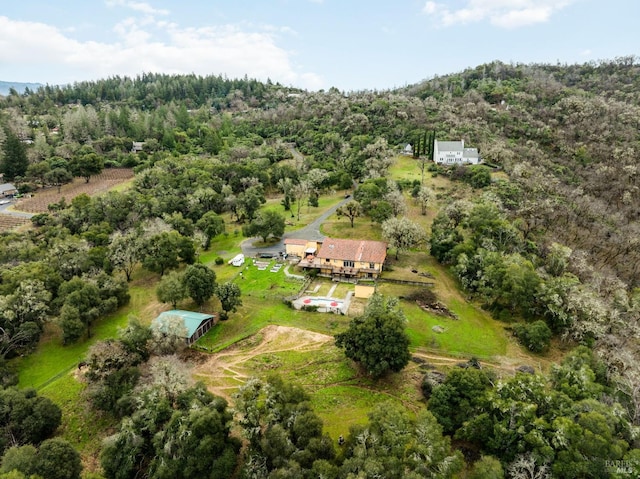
(284,434)
(176,432)
(532,424)
(266,224)
(396,445)
(26,418)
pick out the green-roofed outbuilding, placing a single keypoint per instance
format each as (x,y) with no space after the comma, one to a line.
(195,324)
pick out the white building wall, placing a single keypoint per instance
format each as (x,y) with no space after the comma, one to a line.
(452,156)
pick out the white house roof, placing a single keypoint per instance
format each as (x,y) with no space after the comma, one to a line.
(470,153)
(450,145)
(6,187)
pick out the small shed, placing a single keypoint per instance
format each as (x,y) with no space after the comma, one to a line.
(195,324)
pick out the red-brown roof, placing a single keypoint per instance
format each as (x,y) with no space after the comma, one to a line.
(297,241)
(353,250)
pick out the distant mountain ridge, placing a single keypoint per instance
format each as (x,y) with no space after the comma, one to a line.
(20,87)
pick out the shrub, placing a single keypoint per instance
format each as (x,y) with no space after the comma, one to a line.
(430,381)
(535,336)
(219,260)
(130,161)
(424,295)
(42,219)
(26,188)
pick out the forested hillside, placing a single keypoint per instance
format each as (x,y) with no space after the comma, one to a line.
(545,236)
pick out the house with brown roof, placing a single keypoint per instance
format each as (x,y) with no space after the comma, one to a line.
(348,260)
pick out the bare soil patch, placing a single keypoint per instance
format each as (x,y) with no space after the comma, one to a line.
(101,183)
(226,371)
(9,222)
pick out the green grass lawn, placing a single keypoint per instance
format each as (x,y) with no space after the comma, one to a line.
(407,168)
(224,245)
(80,424)
(363,228)
(475,333)
(339,394)
(52,360)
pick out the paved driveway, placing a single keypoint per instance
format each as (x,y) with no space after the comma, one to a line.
(7,208)
(310,232)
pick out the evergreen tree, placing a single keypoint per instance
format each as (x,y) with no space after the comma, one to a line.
(14,162)
(425,143)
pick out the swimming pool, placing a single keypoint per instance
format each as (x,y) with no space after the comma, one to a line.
(324,305)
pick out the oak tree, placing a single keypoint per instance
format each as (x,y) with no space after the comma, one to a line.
(377,340)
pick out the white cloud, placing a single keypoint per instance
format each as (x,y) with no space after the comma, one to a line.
(430,8)
(142,7)
(149,46)
(501,13)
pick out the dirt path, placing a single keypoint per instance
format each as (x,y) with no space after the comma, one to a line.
(226,371)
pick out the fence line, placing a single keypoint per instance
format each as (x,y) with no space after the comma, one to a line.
(406,281)
(55,378)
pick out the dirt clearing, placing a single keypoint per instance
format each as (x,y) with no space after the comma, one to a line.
(226,371)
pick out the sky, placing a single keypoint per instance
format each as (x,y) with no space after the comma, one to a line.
(310,44)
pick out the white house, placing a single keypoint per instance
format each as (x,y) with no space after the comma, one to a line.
(454,153)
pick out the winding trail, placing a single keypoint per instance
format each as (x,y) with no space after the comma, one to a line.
(224,372)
